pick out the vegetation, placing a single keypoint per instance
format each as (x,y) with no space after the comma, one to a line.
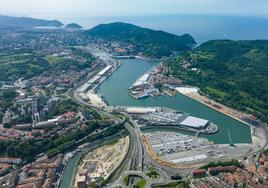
(111,143)
(223,163)
(141,183)
(152,43)
(153,174)
(28,149)
(7,97)
(65,105)
(15,64)
(176,177)
(68,105)
(73,26)
(265,152)
(234,73)
(24,22)
(126,180)
(174,185)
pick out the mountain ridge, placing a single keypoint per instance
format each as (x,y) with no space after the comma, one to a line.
(154,43)
(73,26)
(26,22)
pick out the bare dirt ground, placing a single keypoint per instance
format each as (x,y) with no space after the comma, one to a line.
(96,100)
(100,162)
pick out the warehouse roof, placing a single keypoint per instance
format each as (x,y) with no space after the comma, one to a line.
(194,122)
(141,110)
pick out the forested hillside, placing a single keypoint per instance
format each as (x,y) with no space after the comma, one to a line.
(151,42)
(24,22)
(15,64)
(232,72)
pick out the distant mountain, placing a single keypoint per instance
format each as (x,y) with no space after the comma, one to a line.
(73,26)
(151,42)
(25,22)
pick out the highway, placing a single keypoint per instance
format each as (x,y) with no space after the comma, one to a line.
(137,157)
(137,161)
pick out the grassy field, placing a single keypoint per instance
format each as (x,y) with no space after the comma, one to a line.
(174,185)
(141,183)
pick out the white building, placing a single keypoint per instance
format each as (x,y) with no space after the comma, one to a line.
(194,122)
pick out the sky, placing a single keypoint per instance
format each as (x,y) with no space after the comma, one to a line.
(102,8)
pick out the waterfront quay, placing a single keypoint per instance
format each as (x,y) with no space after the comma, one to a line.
(164,117)
(167,152)
(190,151)
(154,83)
(87,92)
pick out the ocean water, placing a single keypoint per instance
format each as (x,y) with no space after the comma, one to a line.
(201,27)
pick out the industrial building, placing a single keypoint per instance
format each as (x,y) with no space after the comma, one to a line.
(136,110)
(142,81)
(178,119)
(194,122)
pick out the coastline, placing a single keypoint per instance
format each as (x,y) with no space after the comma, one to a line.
(145,58)
(259,137)
(211,103)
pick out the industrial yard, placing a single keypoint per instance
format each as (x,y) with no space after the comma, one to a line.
(100,163)
(154,116)
(170,151)
(181,149)
(153,83)
(87,92)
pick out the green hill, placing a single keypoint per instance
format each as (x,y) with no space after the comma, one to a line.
(25,22)
(26,63)
(151,42)
(232,72)
(73,26)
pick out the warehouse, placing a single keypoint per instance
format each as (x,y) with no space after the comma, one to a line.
(194,122)
(141,81)
(140,110)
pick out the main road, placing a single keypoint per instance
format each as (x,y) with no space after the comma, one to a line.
(137,158)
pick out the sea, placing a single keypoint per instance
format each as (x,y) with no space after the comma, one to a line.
(202,27)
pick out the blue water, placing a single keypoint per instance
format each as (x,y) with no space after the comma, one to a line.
(201,27)
(115,92)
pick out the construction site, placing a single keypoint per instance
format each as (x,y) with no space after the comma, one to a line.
(101,162)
